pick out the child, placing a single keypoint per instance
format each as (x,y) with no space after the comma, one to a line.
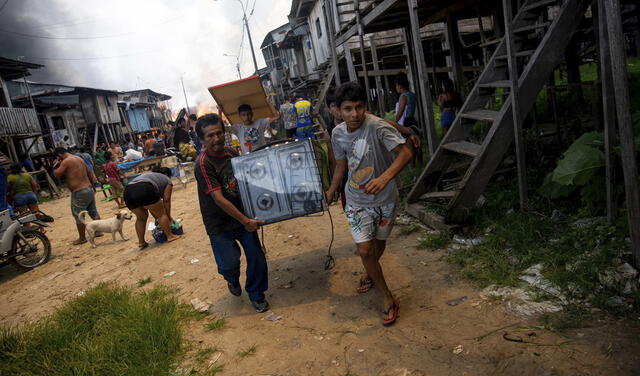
(114,176)
(251,132)
(221,210)
(374,153)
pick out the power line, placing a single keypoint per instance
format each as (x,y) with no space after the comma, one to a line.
(87,58)
(4,5)
(108,36)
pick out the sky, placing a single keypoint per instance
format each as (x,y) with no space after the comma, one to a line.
(138,44)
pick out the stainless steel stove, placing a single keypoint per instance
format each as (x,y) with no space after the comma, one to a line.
(280,182)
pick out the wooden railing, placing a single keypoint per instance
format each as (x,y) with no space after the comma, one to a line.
(18,122)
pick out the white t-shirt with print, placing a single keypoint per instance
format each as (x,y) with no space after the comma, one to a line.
(251,136)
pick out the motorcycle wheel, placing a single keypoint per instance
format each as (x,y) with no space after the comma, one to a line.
(39,254)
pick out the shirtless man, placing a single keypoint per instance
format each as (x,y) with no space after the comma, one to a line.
(80,182)
(148,147)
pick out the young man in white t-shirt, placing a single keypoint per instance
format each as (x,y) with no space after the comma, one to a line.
(373,153)
(251,132)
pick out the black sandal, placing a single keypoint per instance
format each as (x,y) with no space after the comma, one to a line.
(365,285)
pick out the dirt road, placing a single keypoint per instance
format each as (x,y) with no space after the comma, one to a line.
(326,327)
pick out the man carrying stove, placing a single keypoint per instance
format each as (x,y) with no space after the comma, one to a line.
(223,216)
(373,153)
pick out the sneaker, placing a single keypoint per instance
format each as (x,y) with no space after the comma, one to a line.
(260,307)
(235,290)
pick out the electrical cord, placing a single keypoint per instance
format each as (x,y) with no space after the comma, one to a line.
(329,261)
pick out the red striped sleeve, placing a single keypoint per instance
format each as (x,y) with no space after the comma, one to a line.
(205,175)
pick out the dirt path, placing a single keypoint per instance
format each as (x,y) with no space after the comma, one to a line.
(326,327)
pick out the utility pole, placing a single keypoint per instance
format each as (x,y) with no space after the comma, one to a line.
(253,53)
(246,25)
(185,95)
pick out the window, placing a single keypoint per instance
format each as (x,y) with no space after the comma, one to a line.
(318,28)
(58,123)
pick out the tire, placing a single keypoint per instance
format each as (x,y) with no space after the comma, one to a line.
(35,239)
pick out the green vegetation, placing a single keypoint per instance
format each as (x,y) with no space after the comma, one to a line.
(142,282)
(435,240)
(204,354)
(108,331)
(216,324)
(251,351)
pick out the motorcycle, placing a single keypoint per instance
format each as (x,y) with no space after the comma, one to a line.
(22,241)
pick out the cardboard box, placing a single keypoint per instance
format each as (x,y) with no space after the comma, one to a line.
(245,91)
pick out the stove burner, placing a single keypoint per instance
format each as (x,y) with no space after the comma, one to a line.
(265,202)
(258,171)
(302,192)
(295,161)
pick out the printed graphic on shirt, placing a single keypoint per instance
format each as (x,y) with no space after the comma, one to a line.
(251,137)
(360,164)
(303,111)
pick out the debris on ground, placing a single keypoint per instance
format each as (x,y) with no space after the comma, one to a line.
(456,301)
(200,306)
(287,285)
(520,301)
(533,276)
(272,316)
(194,261)
(467,241)
(55,275)
(170,274)
(458,350)
(622,278)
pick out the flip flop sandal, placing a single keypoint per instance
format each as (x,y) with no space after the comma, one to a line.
(365,285)
(395,307)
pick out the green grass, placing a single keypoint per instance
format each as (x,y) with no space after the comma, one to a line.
(572,256)
(142,282)
(251,351)
(216,324)
(435,241)
(108,331)
(204,354)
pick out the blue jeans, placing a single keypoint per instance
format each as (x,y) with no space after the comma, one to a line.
(22,200)
(227,254)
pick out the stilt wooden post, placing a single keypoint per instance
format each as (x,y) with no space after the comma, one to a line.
(515,104)
(363,56)
(329,20)
(376,67)
(627,147)
(608,109)
(423,80)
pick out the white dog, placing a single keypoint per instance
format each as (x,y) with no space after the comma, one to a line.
(105,225)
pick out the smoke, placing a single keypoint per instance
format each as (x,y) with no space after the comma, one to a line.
(128,45)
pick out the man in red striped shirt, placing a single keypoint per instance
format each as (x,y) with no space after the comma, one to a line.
(223,216)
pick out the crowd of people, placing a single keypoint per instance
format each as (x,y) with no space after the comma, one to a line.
(366,154)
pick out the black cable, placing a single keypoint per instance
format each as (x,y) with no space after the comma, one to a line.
(329,261)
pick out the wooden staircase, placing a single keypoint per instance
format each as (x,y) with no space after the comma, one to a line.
(539,47)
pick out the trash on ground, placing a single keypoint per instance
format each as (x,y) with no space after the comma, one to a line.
(467,241)
(457,350)
(199,305)
(54,276)
(215,358)
(170,274)
(151,226)
(287,285)
(360,350)
(456,301)
(534,277)
(194,261)
(272,316)
(520,301)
